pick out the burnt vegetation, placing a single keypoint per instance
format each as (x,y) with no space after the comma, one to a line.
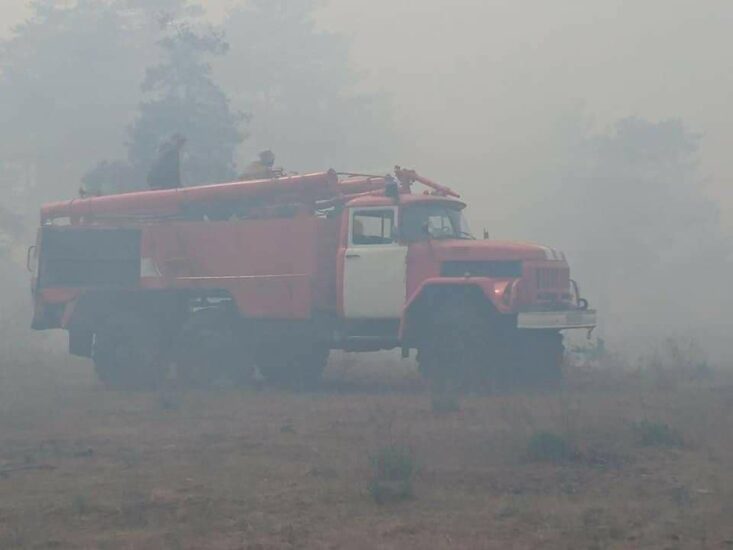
(614,460)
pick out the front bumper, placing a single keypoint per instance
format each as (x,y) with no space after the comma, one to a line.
(557,320)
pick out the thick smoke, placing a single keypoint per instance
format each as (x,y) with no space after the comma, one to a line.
(598,129)
(628,204)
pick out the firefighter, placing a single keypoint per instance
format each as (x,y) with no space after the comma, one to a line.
(262,168)
(166,170)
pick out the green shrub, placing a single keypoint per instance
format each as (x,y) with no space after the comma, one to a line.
(444,402)
(550,447)
(80,504)
(393,470)
(657,434)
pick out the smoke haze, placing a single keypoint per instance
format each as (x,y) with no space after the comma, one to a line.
(500,99)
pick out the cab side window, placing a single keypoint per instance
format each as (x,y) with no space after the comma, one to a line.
(373,227)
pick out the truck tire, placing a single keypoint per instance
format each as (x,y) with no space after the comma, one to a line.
(538,358)
(128,353)
(465,346)
(455,350)
(299,368)
(209,350)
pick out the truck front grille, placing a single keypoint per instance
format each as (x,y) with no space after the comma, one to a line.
(552,278)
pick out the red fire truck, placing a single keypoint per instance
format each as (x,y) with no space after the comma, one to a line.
(219,280)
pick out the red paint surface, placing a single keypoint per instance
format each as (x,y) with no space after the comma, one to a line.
(279,267)
(273,268)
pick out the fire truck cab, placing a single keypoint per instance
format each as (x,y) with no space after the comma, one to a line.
(218,281)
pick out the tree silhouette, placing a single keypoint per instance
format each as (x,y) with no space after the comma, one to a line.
(297,83)
(629,207)
(69,82)
(185,100)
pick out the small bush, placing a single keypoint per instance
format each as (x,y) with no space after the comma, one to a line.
(550,447)
(657,434)
(682,496)
(169,401)
(134,511)
(393,471)
(80,504)
(444,402)
(677,361)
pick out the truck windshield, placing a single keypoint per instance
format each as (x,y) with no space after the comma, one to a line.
(433,221)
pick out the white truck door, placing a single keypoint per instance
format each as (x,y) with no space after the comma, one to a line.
(375,266)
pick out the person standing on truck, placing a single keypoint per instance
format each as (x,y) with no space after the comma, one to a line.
(166,170)
(262,168)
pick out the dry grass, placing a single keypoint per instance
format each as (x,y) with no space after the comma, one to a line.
(85,468)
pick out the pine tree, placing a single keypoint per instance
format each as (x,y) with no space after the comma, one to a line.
(185,100)
(297,83)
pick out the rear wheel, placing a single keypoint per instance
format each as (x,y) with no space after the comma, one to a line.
(211,350)
(128,353)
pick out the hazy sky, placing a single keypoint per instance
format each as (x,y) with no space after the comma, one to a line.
(478,87)
(492,73)
(480,79)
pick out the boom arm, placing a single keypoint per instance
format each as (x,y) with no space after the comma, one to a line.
(310,189)
(173,202)
(408,177)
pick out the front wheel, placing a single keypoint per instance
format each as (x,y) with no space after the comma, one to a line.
(467,346)
(128,353)
(538,359)
(455,350)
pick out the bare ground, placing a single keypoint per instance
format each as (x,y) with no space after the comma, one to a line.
(81,467)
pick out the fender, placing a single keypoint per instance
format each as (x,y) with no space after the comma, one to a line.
(500,292)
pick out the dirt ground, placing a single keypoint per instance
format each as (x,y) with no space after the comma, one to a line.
(81,467)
